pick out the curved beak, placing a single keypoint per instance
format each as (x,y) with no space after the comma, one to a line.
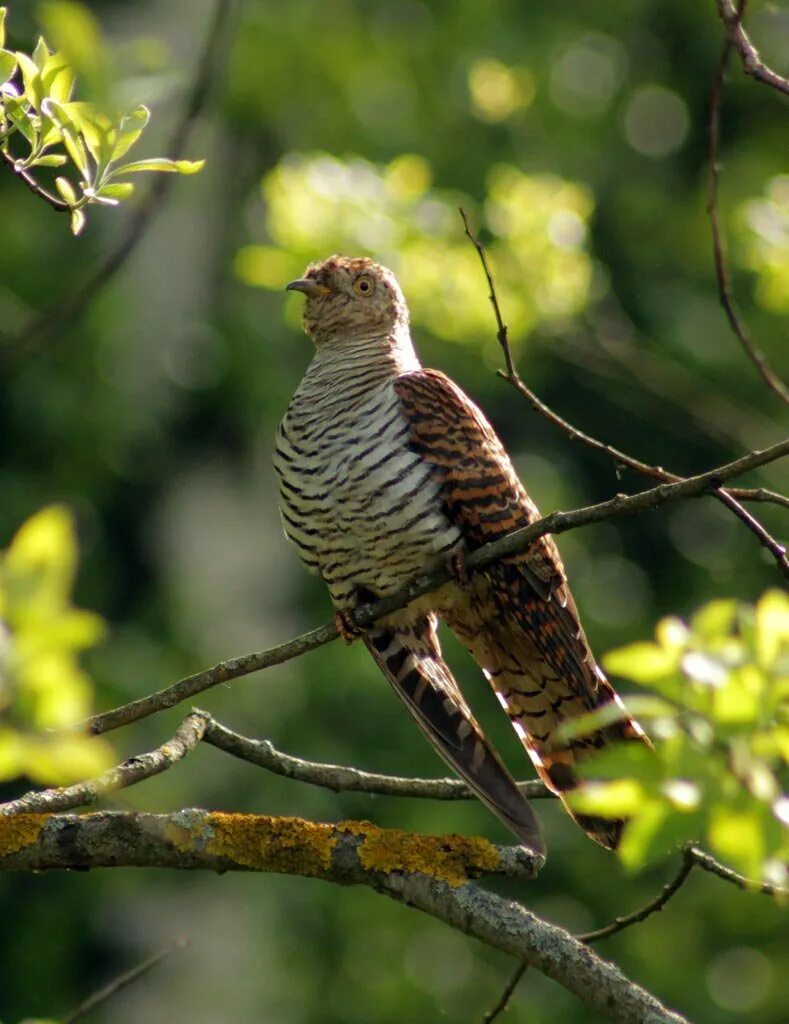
(309,286)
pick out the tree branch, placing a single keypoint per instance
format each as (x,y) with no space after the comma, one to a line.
(342,779)
(69,308)
(735,37)
(749,55)
(503,1001)
(513,543)
(24,175)
(426,872)
(778,551)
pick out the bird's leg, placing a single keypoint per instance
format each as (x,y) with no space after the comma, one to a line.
(345,626)
(458,570)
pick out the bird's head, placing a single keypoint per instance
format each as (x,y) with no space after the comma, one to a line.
(350,299)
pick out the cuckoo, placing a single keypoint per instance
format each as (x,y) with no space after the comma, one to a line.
(388,470)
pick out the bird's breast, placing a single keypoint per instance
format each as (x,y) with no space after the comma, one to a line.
(361,507)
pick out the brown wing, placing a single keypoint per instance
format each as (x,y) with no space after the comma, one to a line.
(519,619)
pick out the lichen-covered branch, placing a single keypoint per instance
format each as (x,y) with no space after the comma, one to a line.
(518,541)
(429,873)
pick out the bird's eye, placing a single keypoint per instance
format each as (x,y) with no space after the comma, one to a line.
(363,285)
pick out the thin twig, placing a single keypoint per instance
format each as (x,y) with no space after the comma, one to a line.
(506,995)
(708,863)
(749,55)
(778,551)
(513,543)
(340,778)
(62,314)
(620,923)
(128,773)
(752,351)
(24,175)
(121,982)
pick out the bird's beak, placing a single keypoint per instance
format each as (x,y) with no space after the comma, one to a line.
(309,286)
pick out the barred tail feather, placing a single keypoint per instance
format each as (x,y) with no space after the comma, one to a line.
(410,658)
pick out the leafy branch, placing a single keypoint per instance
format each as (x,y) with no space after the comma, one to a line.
(48,129)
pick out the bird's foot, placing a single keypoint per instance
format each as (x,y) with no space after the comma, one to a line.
(346,627)
(458,570)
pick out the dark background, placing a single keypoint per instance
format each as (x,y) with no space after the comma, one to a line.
(152,416)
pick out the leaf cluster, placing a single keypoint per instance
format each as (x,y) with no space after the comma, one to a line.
(49,129)
(43,691)
(717,713)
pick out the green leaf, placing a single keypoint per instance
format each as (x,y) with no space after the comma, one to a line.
(118,191)
(714,620)
(16,111)
(62,115)
(772,627)
(624,760)
(620,798)
(77,221)
(7,65)
(31,79)
(66,189)
(644,663)
(160,164)
(129,130)
(736,835)
(57,78)
(40,53)
(592,721)
(50,160)
(2,26)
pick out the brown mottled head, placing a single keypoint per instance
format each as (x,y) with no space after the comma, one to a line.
(350,299)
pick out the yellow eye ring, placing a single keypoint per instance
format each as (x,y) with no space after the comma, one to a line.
(363,285)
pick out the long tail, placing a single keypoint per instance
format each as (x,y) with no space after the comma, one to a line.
(536,658)
(410,658)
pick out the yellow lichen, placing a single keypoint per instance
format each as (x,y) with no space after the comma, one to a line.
(19,831)
(452,859)
(288,845)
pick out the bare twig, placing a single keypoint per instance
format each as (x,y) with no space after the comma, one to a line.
(778,551)
(708,863)
(24,175)
(749,55)
(620,923)
(70,307)
(513,543)
(731,18)
(135,769)
(506,995)
(114,986)
(428,873)
(342,779)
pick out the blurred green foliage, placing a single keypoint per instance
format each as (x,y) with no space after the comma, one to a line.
(152,418)
(721,731)
(43,691)
(43,114)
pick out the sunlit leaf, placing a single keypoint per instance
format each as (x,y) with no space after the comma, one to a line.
(66,189)
(7,65)
(160,164)
(772,627)
(77,221)
(50,160)
(736,836)
(129,130)
(2,26)
(31,78)
(644,663)
(607,714)
(117,191)
(714,619)
(619,798)
(40,54)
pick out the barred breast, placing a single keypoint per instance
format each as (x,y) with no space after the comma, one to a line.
(361,507)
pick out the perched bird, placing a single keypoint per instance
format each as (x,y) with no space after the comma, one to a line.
(388,470)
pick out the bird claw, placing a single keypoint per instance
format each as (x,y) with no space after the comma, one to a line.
(346,627)
(458,570)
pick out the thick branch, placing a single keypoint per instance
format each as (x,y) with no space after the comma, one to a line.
(513,543)
(426,872)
